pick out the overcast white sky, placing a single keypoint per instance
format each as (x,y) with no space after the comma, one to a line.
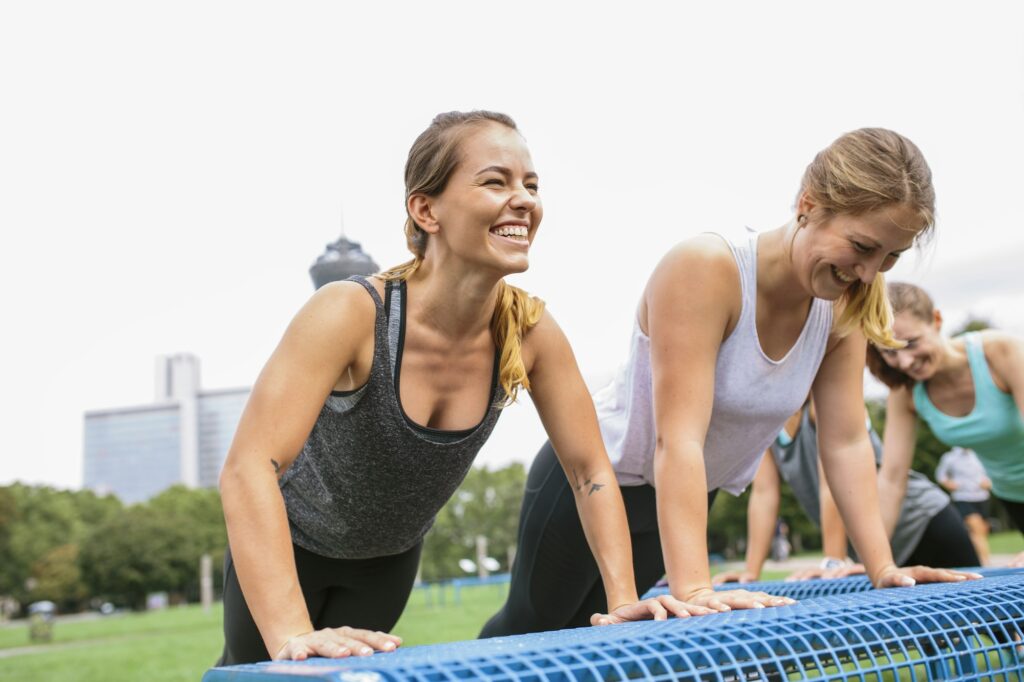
(169,171)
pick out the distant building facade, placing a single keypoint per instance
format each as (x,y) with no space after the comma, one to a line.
(182,437)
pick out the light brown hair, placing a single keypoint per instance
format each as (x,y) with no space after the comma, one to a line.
(905,298)
(433,158)
(862,171)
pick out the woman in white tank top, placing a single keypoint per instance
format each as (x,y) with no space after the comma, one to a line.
(730,336)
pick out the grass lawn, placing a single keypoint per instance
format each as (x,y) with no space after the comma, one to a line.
(181,643)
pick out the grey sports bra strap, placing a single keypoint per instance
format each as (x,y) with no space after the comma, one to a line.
(394,303)
(359,279)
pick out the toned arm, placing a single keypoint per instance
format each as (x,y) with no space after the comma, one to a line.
(327,339)
(568,415)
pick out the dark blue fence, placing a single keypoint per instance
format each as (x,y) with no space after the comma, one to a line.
(965,631)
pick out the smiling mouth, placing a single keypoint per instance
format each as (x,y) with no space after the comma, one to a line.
(842,277)
(517,233)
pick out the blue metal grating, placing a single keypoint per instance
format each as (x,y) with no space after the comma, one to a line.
(812,589)
(965,631)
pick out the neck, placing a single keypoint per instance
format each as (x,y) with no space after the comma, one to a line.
(455,301)
(776,275)
(951,363)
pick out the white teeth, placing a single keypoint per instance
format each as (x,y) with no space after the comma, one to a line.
(842,276)
(511,231)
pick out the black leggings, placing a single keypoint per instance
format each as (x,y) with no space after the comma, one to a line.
(1016,512)
(555,580)
(361,593)
(945,543)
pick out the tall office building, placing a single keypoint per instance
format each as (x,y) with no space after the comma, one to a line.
(182,437)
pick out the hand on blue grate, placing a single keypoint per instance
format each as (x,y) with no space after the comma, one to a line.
(655,608)
(911,575)
(336,643)
(726,600)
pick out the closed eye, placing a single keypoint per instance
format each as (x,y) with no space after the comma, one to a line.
(861,248)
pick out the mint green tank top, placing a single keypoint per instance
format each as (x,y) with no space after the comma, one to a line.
(993,429)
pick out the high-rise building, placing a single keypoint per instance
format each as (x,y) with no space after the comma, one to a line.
(182,437)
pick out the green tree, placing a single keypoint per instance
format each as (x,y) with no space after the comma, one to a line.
(58,577)
(155,546)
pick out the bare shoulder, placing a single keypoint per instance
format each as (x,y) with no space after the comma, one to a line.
(336,311)
(546,338)
(998,345)
(705,257)
(1004,354)
(696,277)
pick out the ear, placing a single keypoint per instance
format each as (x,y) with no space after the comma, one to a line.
(421,210)
(804,205)
(937,322)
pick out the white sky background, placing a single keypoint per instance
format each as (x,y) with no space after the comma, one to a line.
(169,172)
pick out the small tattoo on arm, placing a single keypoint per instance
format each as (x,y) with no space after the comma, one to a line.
(594,488)
(277,467)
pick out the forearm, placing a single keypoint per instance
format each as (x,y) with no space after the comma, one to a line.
(261,550)
(603,516)
(762,513)
(833,530)
(892,488)
(851,477)
(683,517)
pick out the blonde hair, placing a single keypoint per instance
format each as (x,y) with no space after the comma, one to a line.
(905,298)
(862,171)
(433,158)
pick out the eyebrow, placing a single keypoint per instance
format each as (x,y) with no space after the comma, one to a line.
(503,171)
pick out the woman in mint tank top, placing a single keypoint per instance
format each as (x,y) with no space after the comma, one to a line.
(729,337)
(370,411)
(969,390)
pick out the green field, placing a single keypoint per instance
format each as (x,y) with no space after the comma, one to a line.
(180,643)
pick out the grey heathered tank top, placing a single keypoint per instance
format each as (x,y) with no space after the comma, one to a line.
(798,466)
(369,481)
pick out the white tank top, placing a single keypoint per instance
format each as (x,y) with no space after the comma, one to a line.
(754,395)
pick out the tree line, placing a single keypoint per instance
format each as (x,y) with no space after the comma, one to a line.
(78,549)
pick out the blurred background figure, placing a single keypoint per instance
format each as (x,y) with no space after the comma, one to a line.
(962,474)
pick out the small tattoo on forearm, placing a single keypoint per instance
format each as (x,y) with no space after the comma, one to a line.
(594,488)
(277,467)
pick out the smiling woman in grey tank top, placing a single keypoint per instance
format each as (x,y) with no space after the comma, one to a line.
(730,335)
(370,411)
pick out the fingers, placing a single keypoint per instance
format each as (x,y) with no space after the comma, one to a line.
(682,609)
(743,599)
(925,574)
(337,643)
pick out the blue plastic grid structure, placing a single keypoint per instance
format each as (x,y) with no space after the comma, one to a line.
(962,631)
(812,589)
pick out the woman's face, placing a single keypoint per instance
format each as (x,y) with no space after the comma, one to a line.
(922,355)
(490,209)
(832,254)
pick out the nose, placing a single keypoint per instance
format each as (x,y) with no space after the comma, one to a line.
(867,269)
(522,200)
(904,359)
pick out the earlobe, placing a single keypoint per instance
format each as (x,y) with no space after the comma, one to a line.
(421,210)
